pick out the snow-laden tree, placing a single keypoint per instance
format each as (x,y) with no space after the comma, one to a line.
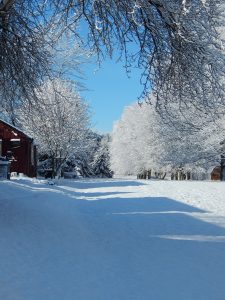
(58,122)
(24,51)
(81,160)
(64,60)
(135,143)
(202,147)
(142,141)
(178,44)
(212,138)
(181,150)
(101,161)
(200,150)
(123,160)
(93,159)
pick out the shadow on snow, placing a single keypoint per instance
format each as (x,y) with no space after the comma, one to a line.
(56,247)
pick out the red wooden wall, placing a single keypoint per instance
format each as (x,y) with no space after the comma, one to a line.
(19,148)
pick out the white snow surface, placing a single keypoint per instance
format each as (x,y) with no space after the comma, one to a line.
(112,239)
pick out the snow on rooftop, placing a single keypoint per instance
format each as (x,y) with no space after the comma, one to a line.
(14,127)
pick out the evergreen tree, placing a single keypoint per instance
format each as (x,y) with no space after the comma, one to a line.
(101,163)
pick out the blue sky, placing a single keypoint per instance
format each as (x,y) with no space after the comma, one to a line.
(109,91)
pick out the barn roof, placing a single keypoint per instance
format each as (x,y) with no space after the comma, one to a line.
(15,128)
(216,169)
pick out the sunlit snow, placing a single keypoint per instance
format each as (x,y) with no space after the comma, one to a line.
(111,240)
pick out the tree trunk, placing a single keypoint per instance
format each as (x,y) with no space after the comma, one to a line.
(164,176)
(53,167)
(222,168)
(149,173)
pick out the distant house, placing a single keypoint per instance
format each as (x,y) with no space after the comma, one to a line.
(18,148)
(215,174)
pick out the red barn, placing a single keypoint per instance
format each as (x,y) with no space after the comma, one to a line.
(18,148)
(216,173)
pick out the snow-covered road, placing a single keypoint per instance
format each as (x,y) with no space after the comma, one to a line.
(112,240)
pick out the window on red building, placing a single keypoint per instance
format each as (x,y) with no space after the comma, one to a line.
(15,143)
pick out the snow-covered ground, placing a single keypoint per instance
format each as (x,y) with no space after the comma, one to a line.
(112,240)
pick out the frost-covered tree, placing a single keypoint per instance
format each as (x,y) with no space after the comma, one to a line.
(135,142)
(81,160)
(180,149)
(201,147)
(59,121)
(142,141)
(121,151)
(93,159)
(101,161)
(178,44)
(212,138)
